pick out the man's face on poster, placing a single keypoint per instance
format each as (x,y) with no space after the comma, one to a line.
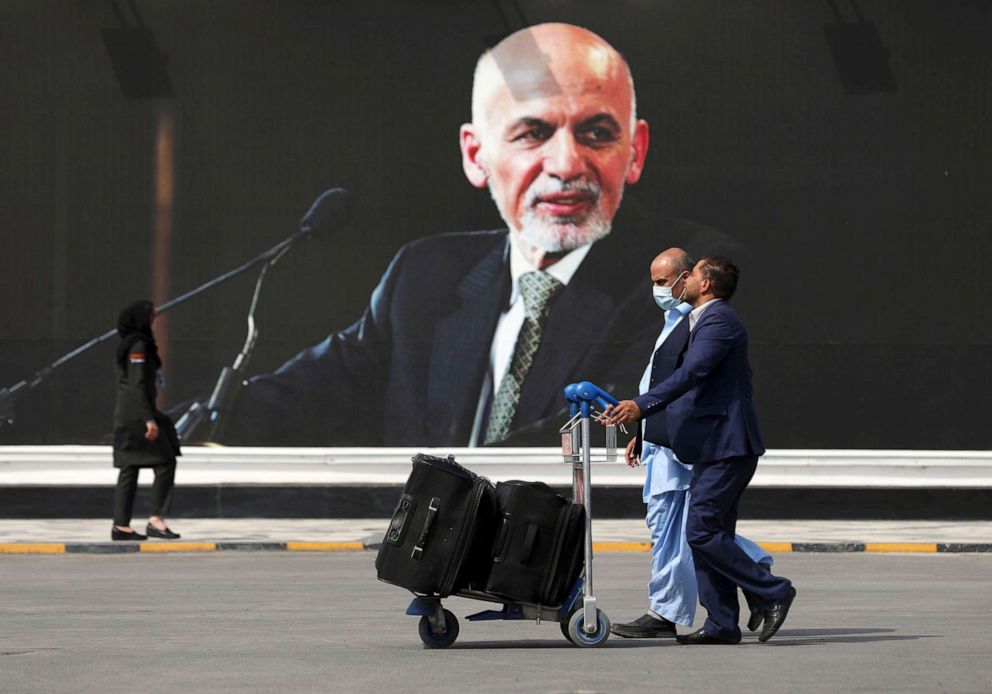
(554,138)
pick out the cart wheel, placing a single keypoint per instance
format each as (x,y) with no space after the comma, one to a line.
(432,640)
(579,637)
(564,630)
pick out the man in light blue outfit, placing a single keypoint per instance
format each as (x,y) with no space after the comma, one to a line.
(672,592)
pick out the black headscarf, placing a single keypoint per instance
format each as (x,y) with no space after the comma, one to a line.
(134,324)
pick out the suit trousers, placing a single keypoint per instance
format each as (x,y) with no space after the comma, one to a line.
(721,565)
(127,487)
(672,590)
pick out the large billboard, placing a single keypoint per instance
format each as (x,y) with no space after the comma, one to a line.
(843,159)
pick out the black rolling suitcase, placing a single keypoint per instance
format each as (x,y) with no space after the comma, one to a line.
(439,537)
(538,549)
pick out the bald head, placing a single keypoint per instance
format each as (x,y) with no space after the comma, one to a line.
(548,60)
(553,137)
(672,260)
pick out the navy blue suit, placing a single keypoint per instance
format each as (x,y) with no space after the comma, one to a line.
(712,424)
(410,371)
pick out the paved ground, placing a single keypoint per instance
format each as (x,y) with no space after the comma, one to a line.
(351,530)
(238,622)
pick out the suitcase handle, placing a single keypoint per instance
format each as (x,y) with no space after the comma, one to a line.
(499,544)
(432,509)
(400,522)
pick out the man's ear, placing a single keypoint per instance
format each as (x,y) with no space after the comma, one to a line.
(639,147)
(475,172)
(705,285)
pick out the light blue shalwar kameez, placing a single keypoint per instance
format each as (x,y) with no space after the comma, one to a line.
(672,592)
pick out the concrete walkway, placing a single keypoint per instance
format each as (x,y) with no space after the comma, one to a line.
(207,534)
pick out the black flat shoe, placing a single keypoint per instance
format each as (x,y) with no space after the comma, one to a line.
(161,534)
(122,535)
(646,626)
(701,638)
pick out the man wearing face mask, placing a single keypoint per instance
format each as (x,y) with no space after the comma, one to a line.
(712,423)
(672,590)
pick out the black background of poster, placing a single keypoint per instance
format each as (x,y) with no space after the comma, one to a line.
(867,218)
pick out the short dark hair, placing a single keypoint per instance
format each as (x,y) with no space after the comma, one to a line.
(722,274)
(684,263)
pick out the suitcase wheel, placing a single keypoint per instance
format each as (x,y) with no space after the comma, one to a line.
(577,635)
(432,639)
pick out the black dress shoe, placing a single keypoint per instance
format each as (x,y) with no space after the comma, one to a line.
(757,611)
(701,638)
(775,616)
(123,535)
(646,626)
(161,534)
(753,604)
(757,616)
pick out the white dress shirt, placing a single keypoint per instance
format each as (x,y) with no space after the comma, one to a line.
(512,320)
(697,312)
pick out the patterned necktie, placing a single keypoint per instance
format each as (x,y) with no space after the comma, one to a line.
(536,289)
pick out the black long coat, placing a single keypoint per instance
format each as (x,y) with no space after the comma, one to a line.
(135,405)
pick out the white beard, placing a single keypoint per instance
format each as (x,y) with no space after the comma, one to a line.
(561,236)
(558,234)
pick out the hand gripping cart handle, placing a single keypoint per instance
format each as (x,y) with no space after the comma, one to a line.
(581,621)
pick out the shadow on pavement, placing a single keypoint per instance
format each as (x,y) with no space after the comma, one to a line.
(790,637)
(809,637)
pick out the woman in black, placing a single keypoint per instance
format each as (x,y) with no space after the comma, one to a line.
(143,436)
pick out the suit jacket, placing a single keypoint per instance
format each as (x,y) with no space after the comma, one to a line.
(410,371)
(710,409)
(663,472)
(665,359)
(663,364)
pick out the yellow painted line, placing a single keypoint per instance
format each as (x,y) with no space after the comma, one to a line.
(32,548)
(900,547)
(325,546)
(621,546)
(776,547)
(177,547)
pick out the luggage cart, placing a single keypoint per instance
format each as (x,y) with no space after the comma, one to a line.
(579,617)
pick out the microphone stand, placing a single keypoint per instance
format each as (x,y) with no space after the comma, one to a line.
(9,396)
(228,387)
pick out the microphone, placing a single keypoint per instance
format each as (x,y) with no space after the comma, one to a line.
(330,211)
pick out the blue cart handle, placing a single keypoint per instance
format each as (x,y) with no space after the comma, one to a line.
(580,395)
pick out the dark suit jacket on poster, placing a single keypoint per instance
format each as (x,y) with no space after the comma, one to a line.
(410,371)
(710,412)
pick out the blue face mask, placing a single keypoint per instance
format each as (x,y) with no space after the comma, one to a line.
(663,295)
